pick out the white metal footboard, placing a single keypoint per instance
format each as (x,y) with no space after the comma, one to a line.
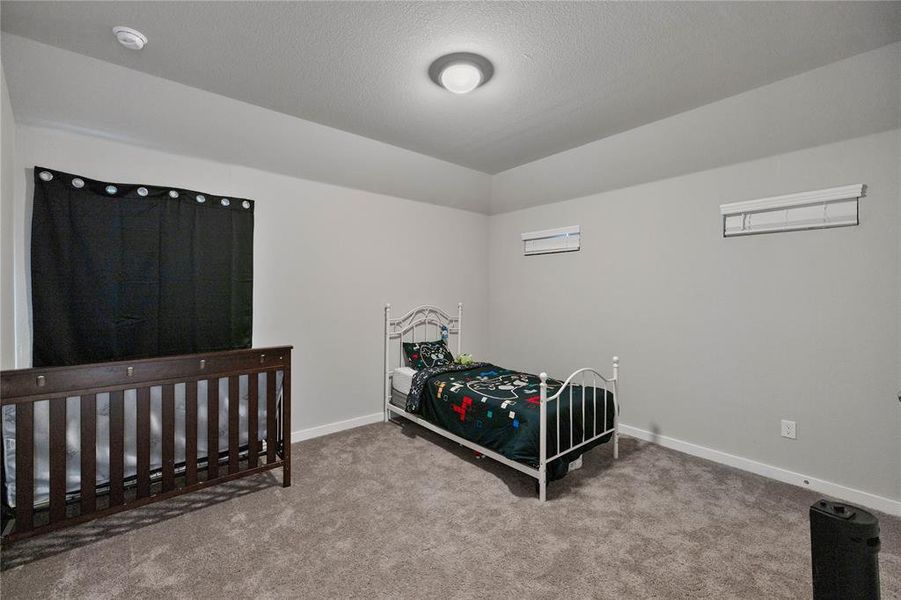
(566,394)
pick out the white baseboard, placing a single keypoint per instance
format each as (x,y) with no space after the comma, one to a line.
(314,432)
(854,496)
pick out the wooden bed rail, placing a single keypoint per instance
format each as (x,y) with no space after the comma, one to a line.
(131,382)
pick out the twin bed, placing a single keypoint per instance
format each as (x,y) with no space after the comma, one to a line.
(534,424)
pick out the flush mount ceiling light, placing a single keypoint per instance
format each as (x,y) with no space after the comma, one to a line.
(130,38)
(461,72)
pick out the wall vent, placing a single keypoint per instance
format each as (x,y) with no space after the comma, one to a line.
(550,241)
(833,207)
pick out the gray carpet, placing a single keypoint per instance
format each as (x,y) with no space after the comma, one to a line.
(386,511)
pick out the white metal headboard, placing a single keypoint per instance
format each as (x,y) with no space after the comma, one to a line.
(422,324)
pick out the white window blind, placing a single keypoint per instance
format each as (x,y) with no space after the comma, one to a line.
(548,241)
(832,207)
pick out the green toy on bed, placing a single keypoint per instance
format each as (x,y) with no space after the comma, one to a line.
(464,359)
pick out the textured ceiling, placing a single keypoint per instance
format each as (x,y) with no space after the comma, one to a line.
(566,73)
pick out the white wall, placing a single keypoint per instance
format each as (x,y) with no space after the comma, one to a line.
(326,260)
(722,338)
(7,170)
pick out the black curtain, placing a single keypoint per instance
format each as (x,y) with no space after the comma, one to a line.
(121,271)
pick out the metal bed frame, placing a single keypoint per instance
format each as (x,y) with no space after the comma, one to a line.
(416,325)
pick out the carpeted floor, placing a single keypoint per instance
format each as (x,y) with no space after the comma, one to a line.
(389,511)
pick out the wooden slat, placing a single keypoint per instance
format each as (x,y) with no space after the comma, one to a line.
(212,428)
(168,436)
(57,459)
(253,415)
(143,442)
(190,433)
(116,448)
(234,400)
(270,416)
(24,467)
(88,453)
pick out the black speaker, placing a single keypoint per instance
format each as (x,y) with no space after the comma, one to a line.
(844,549)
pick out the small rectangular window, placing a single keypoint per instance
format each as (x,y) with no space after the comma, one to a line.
(833,207)
(549,241)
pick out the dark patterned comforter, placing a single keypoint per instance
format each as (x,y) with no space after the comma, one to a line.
(499,409)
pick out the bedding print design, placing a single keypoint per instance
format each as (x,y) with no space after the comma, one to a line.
(502,387)
(500,409)
(422,377)
(422,355)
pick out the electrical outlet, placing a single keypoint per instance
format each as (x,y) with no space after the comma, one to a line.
(789,429)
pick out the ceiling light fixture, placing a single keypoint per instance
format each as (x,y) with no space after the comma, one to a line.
(130,38)
(461,72)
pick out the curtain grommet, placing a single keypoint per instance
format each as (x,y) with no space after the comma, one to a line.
(78,183)
(111,189)
(201,198)
(173,194)
(45,175)
(225,202)
(142,191)
(246,204)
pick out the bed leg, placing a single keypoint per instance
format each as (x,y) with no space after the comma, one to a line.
(387,387)
(615,407)
(542,438)
(542,487)
(615,442)
(286,427)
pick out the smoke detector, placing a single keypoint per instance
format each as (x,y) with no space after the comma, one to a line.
(130,38)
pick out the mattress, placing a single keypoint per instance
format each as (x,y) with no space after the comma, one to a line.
(397,399)
(402,379)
